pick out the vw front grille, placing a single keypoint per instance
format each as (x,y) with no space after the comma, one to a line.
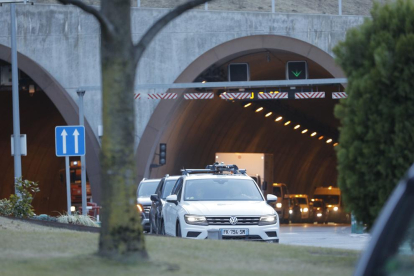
(226,221)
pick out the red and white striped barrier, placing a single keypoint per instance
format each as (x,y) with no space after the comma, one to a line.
(310,95)
(137,96)
(162,96)
(199,96)
(339,95)
(235,96)
(272,96)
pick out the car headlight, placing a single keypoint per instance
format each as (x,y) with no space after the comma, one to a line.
(290,211)
(140,208)
(269,219)
(335,208)
(319,215)
(195,220)
(305,210)
(278,205)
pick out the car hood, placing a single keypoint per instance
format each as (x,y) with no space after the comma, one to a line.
(144,201)
(229,208)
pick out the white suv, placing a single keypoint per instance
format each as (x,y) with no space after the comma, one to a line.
(230,203)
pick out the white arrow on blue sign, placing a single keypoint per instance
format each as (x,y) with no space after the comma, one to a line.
(70,140)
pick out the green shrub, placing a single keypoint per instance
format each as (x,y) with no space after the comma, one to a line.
(20,206)
(376,144)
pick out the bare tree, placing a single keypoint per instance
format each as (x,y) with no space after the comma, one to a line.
(121,236)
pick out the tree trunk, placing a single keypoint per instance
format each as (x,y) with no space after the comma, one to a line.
(121,236)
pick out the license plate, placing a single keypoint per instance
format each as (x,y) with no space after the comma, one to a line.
(234,232)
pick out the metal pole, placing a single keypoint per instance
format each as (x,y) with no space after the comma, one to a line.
(68,184)
(340,7)
(273,6)
(15,93)
(81,93)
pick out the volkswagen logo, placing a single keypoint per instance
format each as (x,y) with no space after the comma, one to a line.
(233,220)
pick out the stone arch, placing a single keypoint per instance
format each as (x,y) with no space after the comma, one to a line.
(164,111)
(67,108)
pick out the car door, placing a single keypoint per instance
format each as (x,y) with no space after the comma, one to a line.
(170,209)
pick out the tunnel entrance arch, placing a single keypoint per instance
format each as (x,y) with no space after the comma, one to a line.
(162,115)
(68,110)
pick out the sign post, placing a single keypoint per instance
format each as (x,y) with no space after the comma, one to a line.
(70,141)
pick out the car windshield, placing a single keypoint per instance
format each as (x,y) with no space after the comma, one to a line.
(317,204)
(147,188)
(277,191)
(222,190)
(169,185)
(302,200)
(329,199)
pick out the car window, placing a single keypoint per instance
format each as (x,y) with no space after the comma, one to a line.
(177,186)
(399,260)
(147,188)
(284,189)
(222,189)
(302,200)
(277,191)
(167,189)
(329,199)
(159,188)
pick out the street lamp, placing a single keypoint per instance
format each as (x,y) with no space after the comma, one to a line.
(15,91)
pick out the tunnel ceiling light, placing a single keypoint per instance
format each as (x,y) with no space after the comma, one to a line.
(313,134)
(203,81)
(224,93)
(268,114)
(296,127)
(278,119)
(304,131)
(259,109)
(247,105)
(335,144)
(288,122)
(320,138)
(328,141)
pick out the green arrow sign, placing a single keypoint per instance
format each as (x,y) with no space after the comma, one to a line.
(296,73)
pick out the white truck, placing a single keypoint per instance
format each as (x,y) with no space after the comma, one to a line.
(259,166)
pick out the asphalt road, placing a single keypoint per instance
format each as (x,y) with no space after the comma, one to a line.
(330,235)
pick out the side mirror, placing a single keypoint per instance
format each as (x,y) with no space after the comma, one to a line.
(154,198)
(172,199)
(271,199)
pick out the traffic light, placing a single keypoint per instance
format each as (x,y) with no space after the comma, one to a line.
(296,70)
(163,154)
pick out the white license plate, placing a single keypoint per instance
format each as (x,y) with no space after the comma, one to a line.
(234,232)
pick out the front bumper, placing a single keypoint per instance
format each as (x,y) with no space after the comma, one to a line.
(269,233)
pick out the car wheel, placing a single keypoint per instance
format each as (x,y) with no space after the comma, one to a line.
(178,230)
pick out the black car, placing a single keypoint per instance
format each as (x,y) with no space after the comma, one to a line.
(145,189)
(158,200)
(320,212)
(391,248)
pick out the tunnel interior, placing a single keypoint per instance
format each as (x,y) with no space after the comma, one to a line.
(200,128)
(38,119)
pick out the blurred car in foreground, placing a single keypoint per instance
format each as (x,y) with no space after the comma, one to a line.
(391,248)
